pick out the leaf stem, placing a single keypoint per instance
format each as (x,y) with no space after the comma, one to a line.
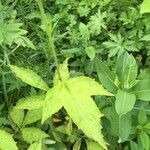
(48,30)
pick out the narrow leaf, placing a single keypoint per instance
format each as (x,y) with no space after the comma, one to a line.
(29,77)
(124,102)
(77,145)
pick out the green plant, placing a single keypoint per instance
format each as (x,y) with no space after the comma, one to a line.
(98,98)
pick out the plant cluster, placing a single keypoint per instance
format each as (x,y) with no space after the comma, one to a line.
(75,75)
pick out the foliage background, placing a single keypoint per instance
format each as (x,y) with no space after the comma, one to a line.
(82,30)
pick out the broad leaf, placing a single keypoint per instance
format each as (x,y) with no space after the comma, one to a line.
(32,116)
(133,145)
(31,102)
(17,116)
(145,7)
(64,72)
(6,141)
(144,137)
(121,125)
(36,146)
(124,102)
(33,134)
(142,90)
(106,76)
(90,51)
(53,102)
(85,115)
(142,117)
(76,104)
(93,146)
(126,70)
(87,85)
(29,77)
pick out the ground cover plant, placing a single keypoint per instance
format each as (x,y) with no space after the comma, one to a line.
(75,75)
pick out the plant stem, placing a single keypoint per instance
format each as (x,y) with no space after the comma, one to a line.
(48,30)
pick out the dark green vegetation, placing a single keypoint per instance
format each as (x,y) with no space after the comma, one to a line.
(75,75)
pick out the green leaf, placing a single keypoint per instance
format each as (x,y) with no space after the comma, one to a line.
(93,146)
(32,116)
(145,38)
(31,102)
(142,90)
(6,141)
(142,117)
(88,120)
(33,134)
(145,7)
(124,102)
(53,101)
(64,72)
(134,146)
(66,94)
(121,125)
(106,76)
(90,51)
(29,77)
(77,145)
(84,31)
(147,126)
(88,85)
(36,146)
(17,116)
(97,23)
(25,42)
(145,140)
(126,69)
